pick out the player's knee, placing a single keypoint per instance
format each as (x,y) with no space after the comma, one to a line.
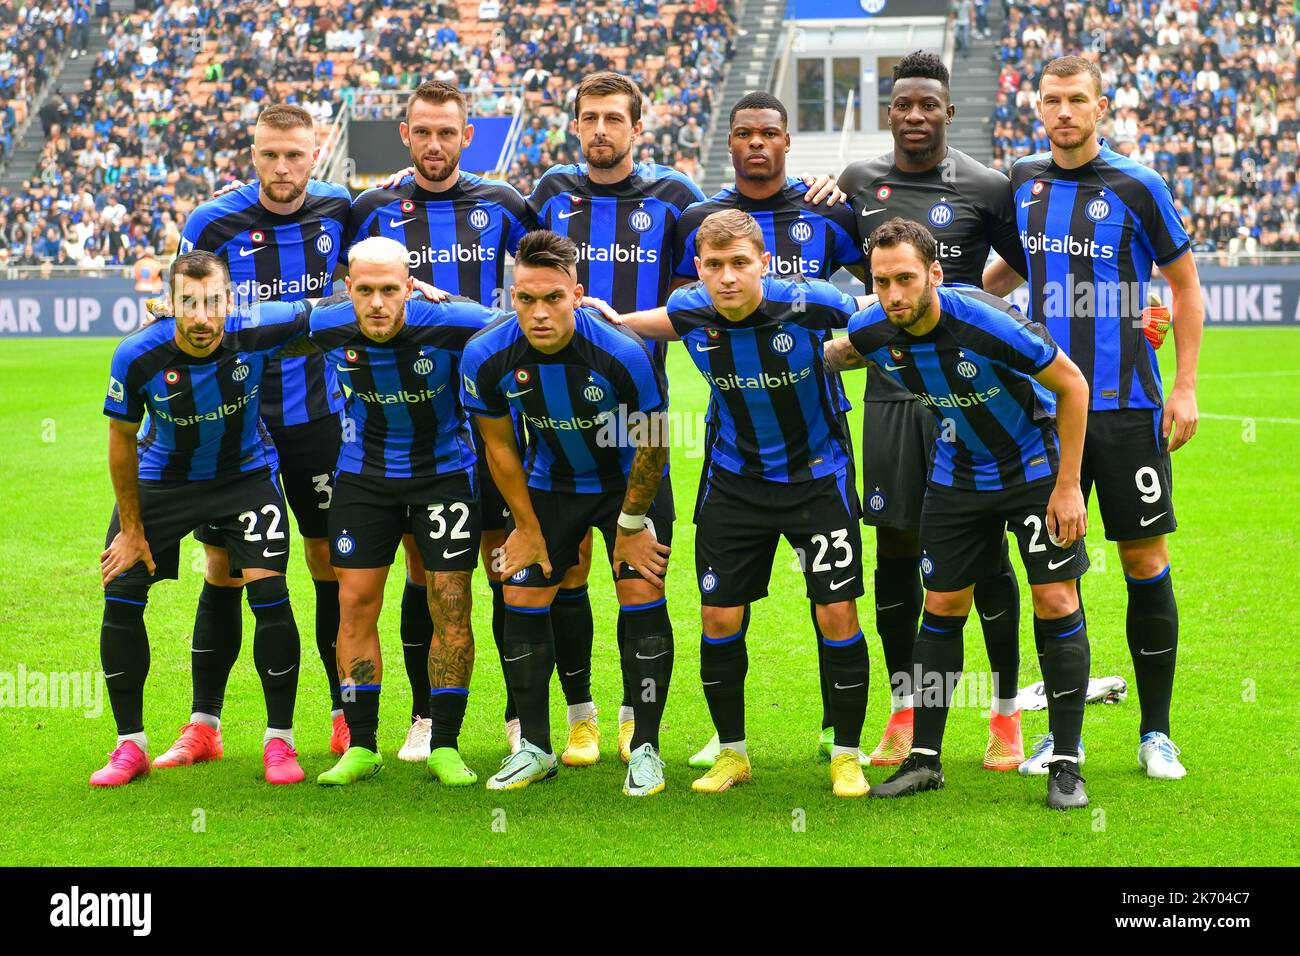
(948,603)
(125,602)
(317,552)
(721,622)
(1144,561)
(1053,601)
(838,621)
(451,603)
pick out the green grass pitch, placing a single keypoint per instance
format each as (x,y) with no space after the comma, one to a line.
(1235,706)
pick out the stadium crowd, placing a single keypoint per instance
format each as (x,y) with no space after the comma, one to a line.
(1204,92)
(167,114)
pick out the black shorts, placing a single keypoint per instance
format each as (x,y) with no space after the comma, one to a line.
(370,514)
(740,520)
(963,533)
(245,515)
(566,517)
(897,441)
(1127,460)
(308,455)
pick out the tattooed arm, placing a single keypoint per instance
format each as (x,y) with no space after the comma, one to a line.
(636,545)
(841,356)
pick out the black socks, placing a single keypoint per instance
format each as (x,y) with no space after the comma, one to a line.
(1065,658)
(573,630)
(275,649)
(847,674)
(214,648)
(899,599)
(528,657)
(124,653)
(724,662)
(417,635)
(647,658)
(327,634)
(1153,642)
(938,663)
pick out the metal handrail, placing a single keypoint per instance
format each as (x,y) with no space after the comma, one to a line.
(334,151)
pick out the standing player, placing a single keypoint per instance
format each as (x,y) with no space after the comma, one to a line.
(622,216)
(411,461)
(578,383)
(202,462)
(779,466)
(1092,223)
(988,377)
(812,241)
(281,240)
(457,229)
(966,206)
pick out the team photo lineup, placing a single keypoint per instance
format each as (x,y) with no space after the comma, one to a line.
(446,374)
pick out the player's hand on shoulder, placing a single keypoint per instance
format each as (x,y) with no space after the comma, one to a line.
(643,553)
(606,310)
(159,307)
(1067,514)
(122,554)
(525,547)
(428,291)
(229,187)
(395,178)
(823,189)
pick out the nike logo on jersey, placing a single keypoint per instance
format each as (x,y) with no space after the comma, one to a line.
(348,368)
(250,251)
(394,223)
(1053,565)
(1025,205)
(1146,521)
(567,215)
(836,585)
(164,398)
(272,554)
(893,368)
(517,394)
(448,555)
(872,212)
(705,348)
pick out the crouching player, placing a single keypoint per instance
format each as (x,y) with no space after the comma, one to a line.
(201,462)
(574,379)
(994,381)
(406,454)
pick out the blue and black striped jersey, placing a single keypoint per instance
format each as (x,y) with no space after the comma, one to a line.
(577,402)
(974,369)
(456,240)
(280,258)
(1090,236)
(624,231)
(403,417)
(203,412)
(965,205)
(813,241)
(777,408)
